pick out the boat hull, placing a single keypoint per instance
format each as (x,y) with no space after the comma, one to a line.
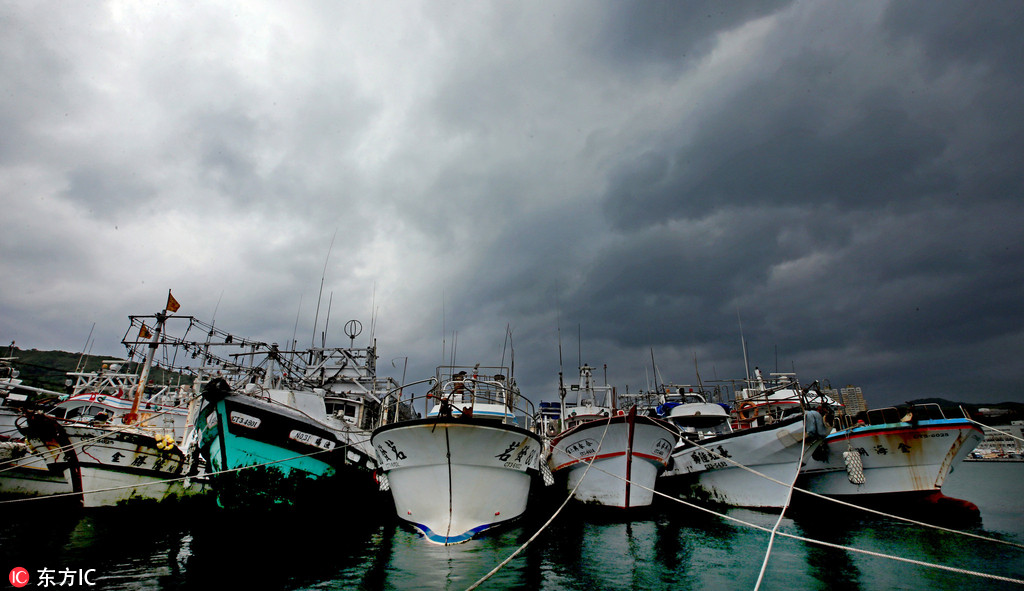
(895,457)
(106,464)
(452,479)
(26,472)
(627,455)
(266,453)
(706,473)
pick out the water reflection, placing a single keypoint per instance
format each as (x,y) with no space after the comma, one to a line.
(669,547)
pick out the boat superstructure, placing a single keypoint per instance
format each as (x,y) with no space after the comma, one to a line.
(295,421)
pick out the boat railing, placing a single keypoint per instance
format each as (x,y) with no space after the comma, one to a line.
(929,411)
(396,405)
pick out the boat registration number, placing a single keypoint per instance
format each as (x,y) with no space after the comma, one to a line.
(243,420)
(303,437)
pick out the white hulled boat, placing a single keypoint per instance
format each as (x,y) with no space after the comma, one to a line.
(893,451)
(469,464)
(609,457)
(106,461)
(716,463)
(32,466)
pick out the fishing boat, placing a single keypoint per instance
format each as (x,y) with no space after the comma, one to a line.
(890,451)
(743,460)
(300,433)
(107,462)
(30,469)
(606,456)
(469,464)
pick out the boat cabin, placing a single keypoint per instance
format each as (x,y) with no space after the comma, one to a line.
(477,392)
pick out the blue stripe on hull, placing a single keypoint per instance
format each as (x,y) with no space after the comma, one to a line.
(456,539)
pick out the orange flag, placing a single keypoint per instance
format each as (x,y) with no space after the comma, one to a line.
(172,304)
(144,333)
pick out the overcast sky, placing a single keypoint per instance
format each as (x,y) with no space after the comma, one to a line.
(844,178)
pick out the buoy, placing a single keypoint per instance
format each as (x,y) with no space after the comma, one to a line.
(854,467)
(747,411)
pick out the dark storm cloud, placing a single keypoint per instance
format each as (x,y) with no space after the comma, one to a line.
(770,146)
(986,33)
(843,178)
(671,33)
(866,216)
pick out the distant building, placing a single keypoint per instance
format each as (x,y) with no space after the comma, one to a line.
(853,399)
(1003,441)
(832,393)
(993,412)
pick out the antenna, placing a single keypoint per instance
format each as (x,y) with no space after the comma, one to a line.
(508,335)
(561,383)
(654,365)
(444,328)
(579,344)
(512,356)
(213,320)
(743,343)
(295,330)
(86,347)
(700,384)
(316,319)
(352,329)
(373,312)
(327,322)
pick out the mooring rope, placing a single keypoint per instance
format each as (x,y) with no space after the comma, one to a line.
(858,507)
(789,497)
(831,545)
(984,426)
(550,520)
(639,485)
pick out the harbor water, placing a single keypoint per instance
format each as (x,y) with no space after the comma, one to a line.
(669,547)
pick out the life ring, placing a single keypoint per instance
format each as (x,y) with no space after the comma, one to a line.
(619,413)
(747,411)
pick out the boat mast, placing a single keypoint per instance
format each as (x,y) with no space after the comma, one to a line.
(133,416)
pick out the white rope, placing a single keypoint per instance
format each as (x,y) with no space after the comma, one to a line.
(841,547)
(558,511)
(859,507)
(984,426)
(789,497)
(837,546)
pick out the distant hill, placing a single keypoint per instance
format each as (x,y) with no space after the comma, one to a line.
(49,369)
